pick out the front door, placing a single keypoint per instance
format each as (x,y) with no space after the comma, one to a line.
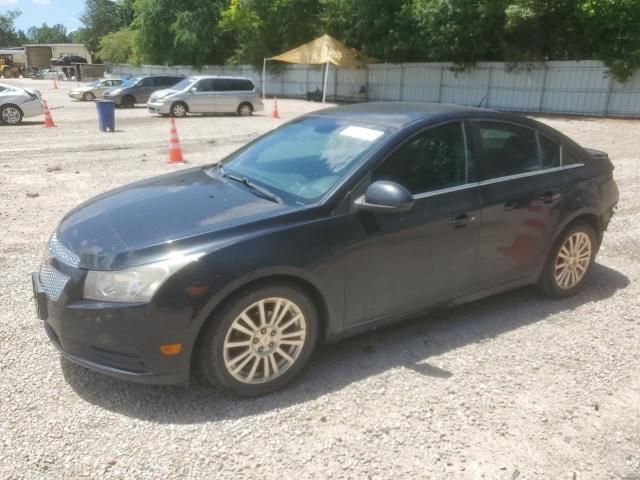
(522,192)
(401,262)
(202,97)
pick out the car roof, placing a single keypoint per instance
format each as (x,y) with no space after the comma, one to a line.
(228,77)
(396,114)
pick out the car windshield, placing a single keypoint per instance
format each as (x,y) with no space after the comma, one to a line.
(130,82)
(183,84)
(95,83)
(304,159)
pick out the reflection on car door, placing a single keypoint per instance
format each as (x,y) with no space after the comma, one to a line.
(522,191)
(401,262)
(202,97)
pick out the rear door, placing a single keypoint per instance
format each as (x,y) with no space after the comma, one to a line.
(401,262)
(144,89)
(522,191)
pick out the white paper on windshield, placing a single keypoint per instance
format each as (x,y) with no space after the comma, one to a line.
(361,133)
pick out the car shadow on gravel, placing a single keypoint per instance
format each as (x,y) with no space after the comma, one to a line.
(333,367)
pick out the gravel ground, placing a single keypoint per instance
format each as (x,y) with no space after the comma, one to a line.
(515,386)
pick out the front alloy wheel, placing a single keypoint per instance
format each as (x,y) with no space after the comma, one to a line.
(264,341)
(259,341)
(11,115)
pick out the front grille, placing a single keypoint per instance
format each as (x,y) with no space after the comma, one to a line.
(53,281)
(62,253)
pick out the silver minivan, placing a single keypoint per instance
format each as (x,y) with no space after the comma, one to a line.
(207,94)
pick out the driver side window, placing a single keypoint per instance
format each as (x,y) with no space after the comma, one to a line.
(432,160)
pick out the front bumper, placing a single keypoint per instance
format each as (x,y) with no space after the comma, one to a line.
(121,340)
(76,95)
(159,107)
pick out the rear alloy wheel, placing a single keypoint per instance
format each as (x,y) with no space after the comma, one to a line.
(245,110)
(11,114)
(569,261)
(261,341)
(178,110)
(88,97)
(128,102)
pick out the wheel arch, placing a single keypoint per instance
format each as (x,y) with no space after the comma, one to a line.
(181,102)
(292,276)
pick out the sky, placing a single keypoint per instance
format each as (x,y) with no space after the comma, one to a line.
(36,12)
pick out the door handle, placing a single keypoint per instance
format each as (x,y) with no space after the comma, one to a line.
(461,220)
(549,197)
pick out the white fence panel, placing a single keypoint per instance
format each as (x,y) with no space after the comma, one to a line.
(583,88)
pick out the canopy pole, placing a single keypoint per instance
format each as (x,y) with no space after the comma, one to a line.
(264,79)
(326,77)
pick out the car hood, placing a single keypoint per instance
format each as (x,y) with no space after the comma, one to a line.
(163,93)
(155,218)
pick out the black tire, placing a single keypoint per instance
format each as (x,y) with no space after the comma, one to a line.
(179,109)
(245,109)
(88,97)
(548,283)
(210,353)
(11,114)
(128,101)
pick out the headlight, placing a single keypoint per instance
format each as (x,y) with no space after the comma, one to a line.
(136,284)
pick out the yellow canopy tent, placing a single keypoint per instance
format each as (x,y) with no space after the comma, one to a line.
(324,50)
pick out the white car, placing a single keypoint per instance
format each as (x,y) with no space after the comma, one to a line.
(94,89)
(17,103)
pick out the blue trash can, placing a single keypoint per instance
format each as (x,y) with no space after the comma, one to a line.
(106,115)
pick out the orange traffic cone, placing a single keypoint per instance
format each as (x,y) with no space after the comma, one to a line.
(175,152)
(274,112)
(55,84)
(48,121)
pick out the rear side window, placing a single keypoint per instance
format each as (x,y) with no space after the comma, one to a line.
(508,149)
(432,160)
(569,158)
(550,152)
(241,85)
(223,84)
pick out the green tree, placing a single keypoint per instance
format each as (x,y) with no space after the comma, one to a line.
(101,17)
(48,34)
(263,28)
(178,31)
(118,47)
(384,29)
(613,28)
(9,37)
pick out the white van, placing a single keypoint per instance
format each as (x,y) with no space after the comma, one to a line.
(207,94)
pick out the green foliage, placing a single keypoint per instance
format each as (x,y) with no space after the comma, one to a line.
(256,29)
(614,29)
(9,37)
(178,31)
(118,47)
(48,34)
(382,29)
(200,32)
(100,18)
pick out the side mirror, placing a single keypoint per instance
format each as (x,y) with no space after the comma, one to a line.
(385,196)
(193,90)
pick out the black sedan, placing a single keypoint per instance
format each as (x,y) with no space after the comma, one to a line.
(336,223)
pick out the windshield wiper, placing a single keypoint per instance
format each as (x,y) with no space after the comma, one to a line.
(245,181)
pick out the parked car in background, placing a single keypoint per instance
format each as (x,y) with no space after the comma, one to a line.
(94,89)
(47,74)
(68,59)
(17,103)
(207,94)
(139,89)
(336,223)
